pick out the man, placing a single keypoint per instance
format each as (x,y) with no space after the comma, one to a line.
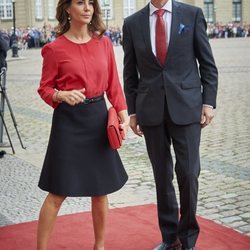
(4,46)
(170,83)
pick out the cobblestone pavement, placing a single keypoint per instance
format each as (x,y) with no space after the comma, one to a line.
(225,150)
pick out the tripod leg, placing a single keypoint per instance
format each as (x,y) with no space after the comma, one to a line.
(19,137)
(4,124)
(11,114)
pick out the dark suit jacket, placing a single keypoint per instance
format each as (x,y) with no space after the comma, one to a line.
(184,83)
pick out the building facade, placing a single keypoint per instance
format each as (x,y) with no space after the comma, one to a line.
(28,13)
(226,11)
(37,13)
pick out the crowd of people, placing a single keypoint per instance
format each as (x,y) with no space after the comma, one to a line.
(115,35)
(220,30)
(31,37)
(37,37)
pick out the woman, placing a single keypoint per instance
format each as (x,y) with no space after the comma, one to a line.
(78,67)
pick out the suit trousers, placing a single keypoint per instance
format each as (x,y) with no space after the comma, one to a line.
(185,140)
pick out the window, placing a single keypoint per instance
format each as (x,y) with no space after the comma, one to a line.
(107,9)
(39,9)
(51,9)
(128,7)
(209,10)
(236,10)
(6,11)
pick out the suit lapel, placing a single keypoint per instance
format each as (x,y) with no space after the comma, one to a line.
(146,31)
(176,17)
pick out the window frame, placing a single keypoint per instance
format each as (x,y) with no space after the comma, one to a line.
(107,9)
(209,11)
(128,7)
(51,10)
(237,11)
(39,11)
(5,4)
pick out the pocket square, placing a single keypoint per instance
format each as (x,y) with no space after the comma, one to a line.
(184,28)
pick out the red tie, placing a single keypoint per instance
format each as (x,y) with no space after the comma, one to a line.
(160,37)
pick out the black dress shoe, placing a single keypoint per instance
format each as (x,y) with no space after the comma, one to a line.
(169,246)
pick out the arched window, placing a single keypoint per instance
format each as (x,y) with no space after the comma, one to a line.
(237,10)
(6,11)
(128,7)
(209,10)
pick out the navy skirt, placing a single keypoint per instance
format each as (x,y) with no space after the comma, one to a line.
(79,160)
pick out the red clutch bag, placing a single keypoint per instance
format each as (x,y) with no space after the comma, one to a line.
(115,134)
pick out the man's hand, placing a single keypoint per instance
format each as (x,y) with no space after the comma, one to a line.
(206,116)
(134,126)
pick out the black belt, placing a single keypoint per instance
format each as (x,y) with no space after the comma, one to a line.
(93,99)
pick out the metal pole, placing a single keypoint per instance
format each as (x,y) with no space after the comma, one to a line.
(3,82)
(107,20)
(14,17)
(14,42)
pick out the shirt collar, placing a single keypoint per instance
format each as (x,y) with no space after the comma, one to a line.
(167,7)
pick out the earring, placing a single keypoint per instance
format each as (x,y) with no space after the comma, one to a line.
(90,23)
(69,18)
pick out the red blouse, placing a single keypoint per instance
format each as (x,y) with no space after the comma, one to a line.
(68,65)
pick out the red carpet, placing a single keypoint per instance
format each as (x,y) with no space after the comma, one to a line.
(130,228)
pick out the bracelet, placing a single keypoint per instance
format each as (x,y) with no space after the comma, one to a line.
(57,97)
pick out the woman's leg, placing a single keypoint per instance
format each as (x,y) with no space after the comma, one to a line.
(99,215)
(47,218)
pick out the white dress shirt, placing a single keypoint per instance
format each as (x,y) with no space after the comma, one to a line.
(152,22)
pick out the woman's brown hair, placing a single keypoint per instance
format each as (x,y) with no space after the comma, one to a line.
(96,26)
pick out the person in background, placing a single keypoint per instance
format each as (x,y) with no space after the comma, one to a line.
(170,98)
(78,68)
(4,47)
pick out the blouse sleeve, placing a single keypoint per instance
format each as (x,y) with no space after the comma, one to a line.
(49,74)
(114,90)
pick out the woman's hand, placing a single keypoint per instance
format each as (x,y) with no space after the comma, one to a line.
(72,97)
(124,121)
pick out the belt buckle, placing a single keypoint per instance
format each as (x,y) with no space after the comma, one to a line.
(86,101)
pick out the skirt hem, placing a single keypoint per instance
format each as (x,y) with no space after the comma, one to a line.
(83,194)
